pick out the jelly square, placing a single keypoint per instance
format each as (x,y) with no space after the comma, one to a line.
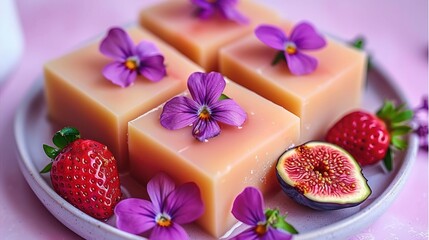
(200,39)
(222,166)
(78,95)
(318,98)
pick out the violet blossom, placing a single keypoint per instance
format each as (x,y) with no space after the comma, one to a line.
(226,8)
(303,37)
(130,60)
(421,122)
(169,207)
(205,109)
(248,208)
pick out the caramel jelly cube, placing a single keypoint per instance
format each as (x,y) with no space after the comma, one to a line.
(318,98)
(200,39)
(224,165)
(78,95)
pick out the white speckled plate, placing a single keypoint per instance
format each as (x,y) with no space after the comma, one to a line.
(32,129)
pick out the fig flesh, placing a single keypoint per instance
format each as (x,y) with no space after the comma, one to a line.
(322,176)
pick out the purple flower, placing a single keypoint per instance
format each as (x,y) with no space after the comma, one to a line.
(248,208)
(302,37)
(168,208)
(207,8)
(420,120)
(205,109)
(130,60)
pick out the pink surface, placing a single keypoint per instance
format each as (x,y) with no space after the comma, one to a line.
(396,33)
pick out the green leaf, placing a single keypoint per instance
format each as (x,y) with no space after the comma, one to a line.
(51,152)
(386,110)
(358,43)
(400,130)
(282,224)
(65,136)
(399,143)
(270,212)
(279,56)
(47,168)
(275,220)
(388,160)
(402,116)
(223,97)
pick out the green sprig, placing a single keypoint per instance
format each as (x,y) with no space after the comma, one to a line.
(277,221)
(278,58)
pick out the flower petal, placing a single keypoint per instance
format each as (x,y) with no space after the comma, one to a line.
(271,234)
(271,36)
(146,49)
(153,67)
(205,129)
(248,234)
(205,9)
(206,88)
(135,215)
(229,112)
(184,204)
(174,231)
(248,207)
(229,11)
(118,74)
(277,234)
(158,188)
(117,44)
(304,35)
(179,112)
(300,64)
(202,4)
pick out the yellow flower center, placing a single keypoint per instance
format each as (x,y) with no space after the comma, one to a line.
(163,221)
(132,63)
(290,48)
(261,229)
(204,114)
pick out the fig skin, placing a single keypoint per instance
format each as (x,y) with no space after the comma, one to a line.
(324,202)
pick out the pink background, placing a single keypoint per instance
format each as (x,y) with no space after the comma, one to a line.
(396,32)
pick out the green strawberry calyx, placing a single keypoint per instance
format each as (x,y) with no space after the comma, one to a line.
(397,120)
(61,139)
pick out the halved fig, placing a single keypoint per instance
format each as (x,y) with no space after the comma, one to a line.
(322,176)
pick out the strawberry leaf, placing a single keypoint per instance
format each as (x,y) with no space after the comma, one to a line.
(388,160)
(386,110)
(50,151)
(399,143)
(47,168)
(400,130)
(402,116)
(65,136)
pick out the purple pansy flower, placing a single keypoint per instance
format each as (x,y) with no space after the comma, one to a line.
(169,207)
(205,109)
(302,37)
(248,208)
(130,60)
(207,8)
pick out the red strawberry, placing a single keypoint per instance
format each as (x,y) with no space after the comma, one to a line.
(369,138)
(84,173)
